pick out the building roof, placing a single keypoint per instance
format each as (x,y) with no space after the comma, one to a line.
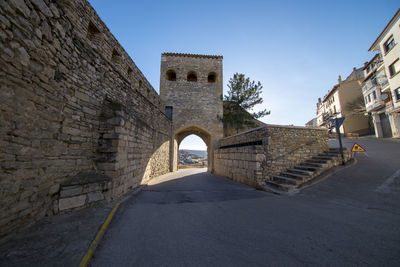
(372,60)
(374,44)
(331,92)
(191,55)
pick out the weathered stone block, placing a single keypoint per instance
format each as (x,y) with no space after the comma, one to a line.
(95,196)
(72,202)
(69,191)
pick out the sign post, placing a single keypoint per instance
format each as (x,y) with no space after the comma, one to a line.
(338,122)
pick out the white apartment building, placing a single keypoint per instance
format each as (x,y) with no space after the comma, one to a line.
(377,96)
(387,45)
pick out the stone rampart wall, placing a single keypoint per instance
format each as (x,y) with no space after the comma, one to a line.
(71,101)
(261,153)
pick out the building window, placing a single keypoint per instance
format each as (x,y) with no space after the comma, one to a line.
(374,94)
(389,44)
(369,98)
(397,93)
(192,77)
(171,75)
(394,68)
(168,112)
(366,100)
(212,77)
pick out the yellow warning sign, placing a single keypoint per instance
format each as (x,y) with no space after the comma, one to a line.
(357,148)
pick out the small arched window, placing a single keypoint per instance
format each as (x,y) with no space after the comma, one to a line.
(171,75)
(192,77)
(212,77)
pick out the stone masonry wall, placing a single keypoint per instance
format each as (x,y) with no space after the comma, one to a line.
(196,105)
(71,101)
(259,154)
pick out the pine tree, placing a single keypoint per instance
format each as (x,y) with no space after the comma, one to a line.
(242,96)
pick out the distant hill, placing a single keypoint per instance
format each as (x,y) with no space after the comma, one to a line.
(199,153)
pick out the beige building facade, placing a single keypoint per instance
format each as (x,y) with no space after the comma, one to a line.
(339,103)
(387,45)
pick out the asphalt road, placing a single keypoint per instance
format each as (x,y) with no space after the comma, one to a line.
(192,218)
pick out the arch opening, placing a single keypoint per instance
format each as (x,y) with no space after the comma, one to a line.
(192,76)
(192,152)
(180,135)
(171,75)
(212,77)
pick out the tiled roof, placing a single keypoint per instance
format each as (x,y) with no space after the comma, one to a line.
(191,55)
(330,92)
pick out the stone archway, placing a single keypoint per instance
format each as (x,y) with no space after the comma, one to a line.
(194,104)
(182,134)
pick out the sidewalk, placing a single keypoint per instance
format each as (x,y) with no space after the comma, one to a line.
(60,240)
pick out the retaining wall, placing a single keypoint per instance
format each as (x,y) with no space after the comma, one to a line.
(259,154)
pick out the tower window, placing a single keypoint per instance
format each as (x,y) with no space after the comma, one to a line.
(168,112)
(212,77)
(192,77)
(171,75)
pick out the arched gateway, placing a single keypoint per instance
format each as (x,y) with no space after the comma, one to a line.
(191,87)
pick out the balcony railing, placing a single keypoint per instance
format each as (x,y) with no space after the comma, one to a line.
(375,105)
(379,82)
(382,81)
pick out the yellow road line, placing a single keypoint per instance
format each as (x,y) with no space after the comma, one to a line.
(93,245)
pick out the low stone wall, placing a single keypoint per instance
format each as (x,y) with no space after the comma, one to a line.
(259,154)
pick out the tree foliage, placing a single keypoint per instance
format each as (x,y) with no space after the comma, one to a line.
(243,96)
(357,106)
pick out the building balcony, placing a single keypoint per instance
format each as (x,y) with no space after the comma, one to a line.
(377,83)
(375,105)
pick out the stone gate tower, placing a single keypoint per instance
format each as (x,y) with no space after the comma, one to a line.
(191,87)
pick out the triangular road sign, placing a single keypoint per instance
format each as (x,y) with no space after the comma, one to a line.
(357,148)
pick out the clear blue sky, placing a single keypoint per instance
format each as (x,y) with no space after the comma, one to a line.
(296,49)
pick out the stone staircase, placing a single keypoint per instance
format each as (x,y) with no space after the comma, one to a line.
(295,177)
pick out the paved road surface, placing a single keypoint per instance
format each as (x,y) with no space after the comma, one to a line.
(192,218)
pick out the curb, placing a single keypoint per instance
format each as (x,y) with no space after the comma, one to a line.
(85,260)
(323,177)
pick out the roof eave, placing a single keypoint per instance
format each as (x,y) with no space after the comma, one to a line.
(378,39)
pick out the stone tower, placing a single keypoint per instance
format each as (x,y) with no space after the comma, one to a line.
(191,87)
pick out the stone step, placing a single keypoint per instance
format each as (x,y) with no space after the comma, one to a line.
(294,175)
(303,172)
(283,187)
(272,189)
(286,180)
(333,154)
(322,158)
(292,178)
(310,164)
(317,161)
(306,168)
